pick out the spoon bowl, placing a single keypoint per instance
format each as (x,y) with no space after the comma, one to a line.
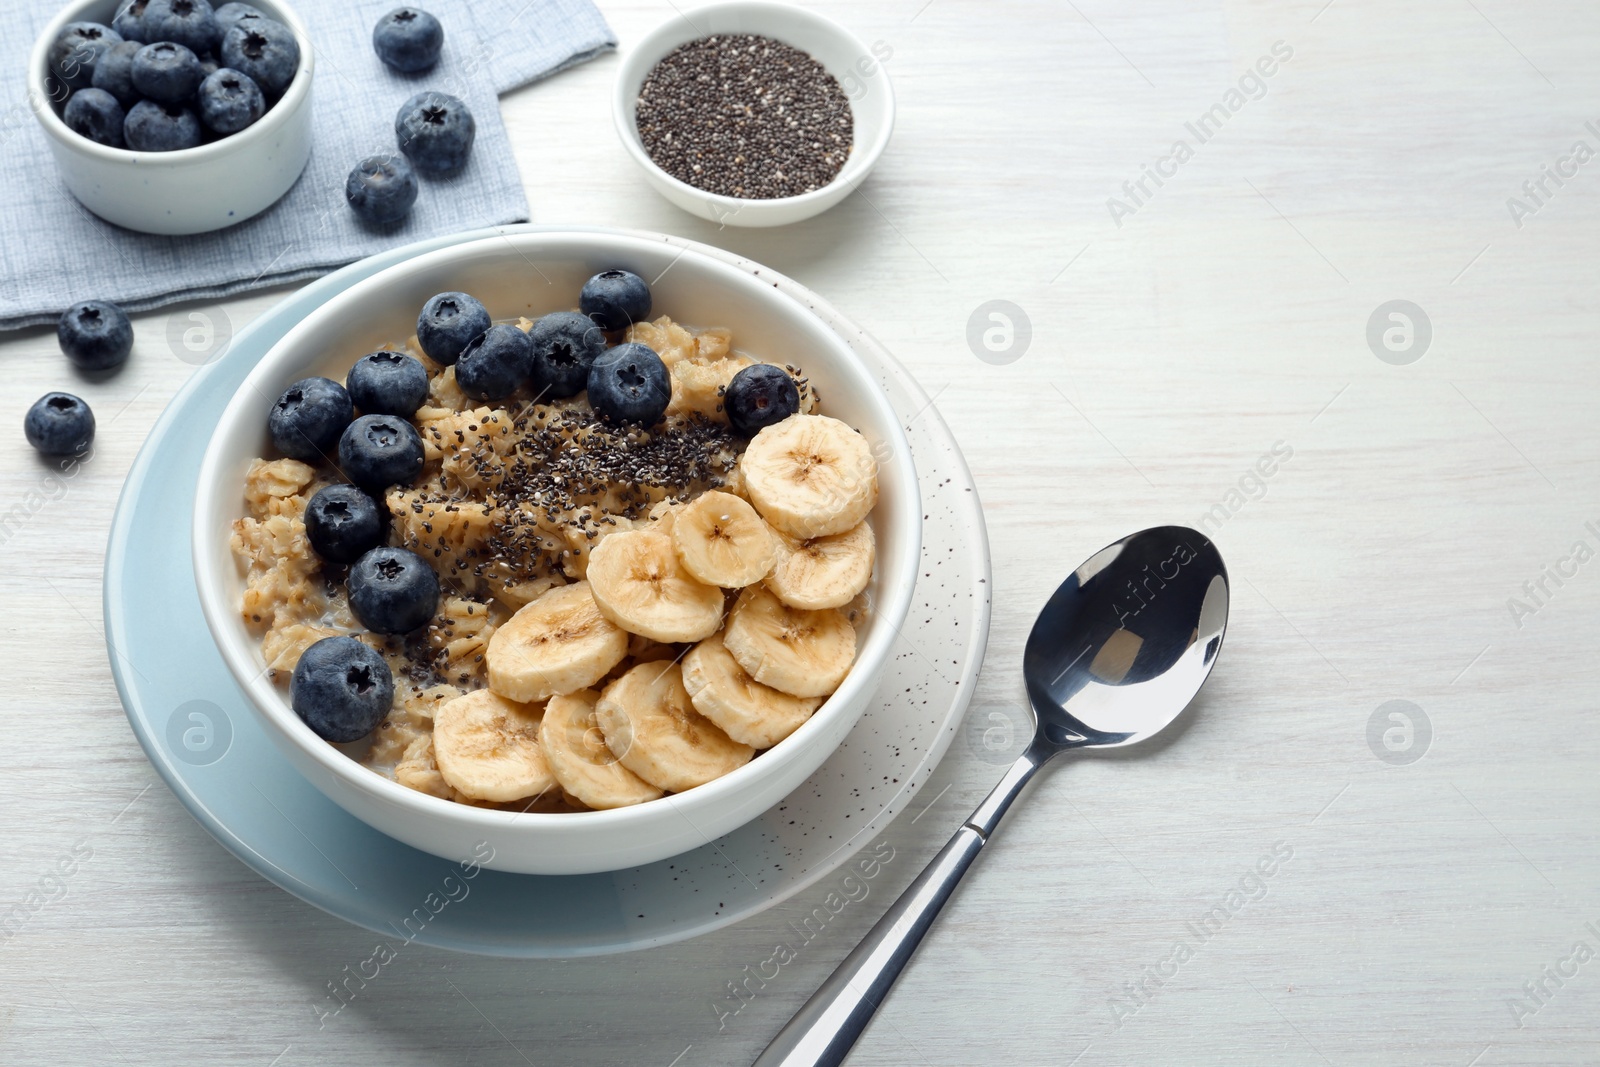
(1127,640)
(1116,654)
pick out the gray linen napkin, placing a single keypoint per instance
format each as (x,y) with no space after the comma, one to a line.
(53,252)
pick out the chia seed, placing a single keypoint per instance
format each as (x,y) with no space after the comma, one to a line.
(745,116)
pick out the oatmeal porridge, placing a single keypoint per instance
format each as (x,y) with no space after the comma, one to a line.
(572,563)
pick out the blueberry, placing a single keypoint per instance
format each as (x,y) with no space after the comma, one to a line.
(230,15)
(387,383)
(95,334)
(95,114)
(342,523)
(435,131)
(165,72)
(616,299)
(153,127)
(392,590)
(758,396)
(630,384)
(408,39)
(377,451)
(130,21)
(308,418)
(448,321)
(208,67)
(341,689)
(381,189)
(266,50)
(190,23)
(59,424)
(76,50)
(114,74)
(565,345)
(230,101)
(494,363)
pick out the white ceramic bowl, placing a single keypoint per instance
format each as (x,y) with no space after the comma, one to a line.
(193,190)
(533,271)
(858,68)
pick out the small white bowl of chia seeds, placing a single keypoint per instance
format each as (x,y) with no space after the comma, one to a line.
(754,113)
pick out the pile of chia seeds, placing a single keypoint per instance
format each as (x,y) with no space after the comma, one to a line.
(564,461)
(745,116)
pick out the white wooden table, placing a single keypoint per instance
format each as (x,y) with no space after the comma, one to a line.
(1225,317)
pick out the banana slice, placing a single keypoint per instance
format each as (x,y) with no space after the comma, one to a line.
(576,749)
(488,747)
(640,585)
(722,541)
(824,572)
(650,723)
(803,653)
(557,644)
(747,711)
(810,476)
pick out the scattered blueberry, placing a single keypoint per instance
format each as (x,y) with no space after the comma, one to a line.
(630,384)
(59,424)
(308,418)
(230,15)
(448,321)
(342,523)
(616,299)
(565,345)
(114,73)
(76,50)
(266,50)
(153,127)
(130,20)
(435,131)
(341,689)
(387,383)
(95,334)
(392,590)
(408,39)
(381,189)
(494,363)
(190,23)
(760,395)
(377,451)
(230,101)
(165,72)
(95,114)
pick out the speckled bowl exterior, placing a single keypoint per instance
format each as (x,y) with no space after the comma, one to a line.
(194,190)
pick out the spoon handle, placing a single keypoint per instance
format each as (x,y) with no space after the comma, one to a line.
(823,1031)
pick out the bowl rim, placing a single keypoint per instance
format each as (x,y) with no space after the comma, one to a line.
(892,609)
(293,98)
(630,76)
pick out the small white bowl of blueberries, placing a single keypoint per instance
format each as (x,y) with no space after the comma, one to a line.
(174,117)
(171,116)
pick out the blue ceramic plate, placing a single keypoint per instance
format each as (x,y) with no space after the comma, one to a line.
(203,737)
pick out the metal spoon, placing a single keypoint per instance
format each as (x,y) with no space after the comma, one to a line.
(1115,656)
